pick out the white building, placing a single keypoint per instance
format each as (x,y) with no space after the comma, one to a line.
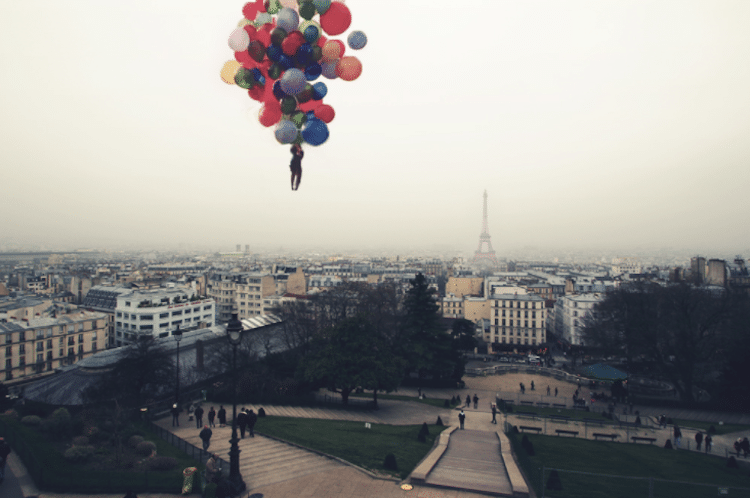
(159,312)
(570,312)
(517,319)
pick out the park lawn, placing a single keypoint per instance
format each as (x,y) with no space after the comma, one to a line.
(352,442)
(629,461)
(438,402)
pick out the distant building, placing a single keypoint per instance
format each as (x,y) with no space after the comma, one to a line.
(517,319)
(570,313)
(243,291)
(465,286)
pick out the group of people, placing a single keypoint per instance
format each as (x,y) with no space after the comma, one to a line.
(246,420)
(469,400)
(212,415)
(743,445)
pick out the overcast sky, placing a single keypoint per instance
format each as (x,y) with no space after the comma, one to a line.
(613,124)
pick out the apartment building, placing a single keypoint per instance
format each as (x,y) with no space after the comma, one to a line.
(570,312)
(517,319)
(243,291)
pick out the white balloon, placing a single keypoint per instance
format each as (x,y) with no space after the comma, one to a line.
(288,19)
(239,40)
(263,18)
(285,131)
(293,81)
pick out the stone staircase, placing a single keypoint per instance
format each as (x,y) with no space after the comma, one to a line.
(265,461)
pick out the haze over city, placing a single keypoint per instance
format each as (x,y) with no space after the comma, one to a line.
(592,125)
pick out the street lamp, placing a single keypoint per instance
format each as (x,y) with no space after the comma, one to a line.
(177,336)
(234,334)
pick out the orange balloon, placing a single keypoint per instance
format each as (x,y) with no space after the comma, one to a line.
(349,68)
(331,51)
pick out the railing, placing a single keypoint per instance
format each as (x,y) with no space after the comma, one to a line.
(198,454)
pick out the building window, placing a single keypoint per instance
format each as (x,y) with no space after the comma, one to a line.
(22,349)
(8,352)
(147,317)
(49,343)
(164,315)
(71,352)
(40,358)
(22,361)
(176,313)
(80,349)
(80,338)
(8,363)
(61,341)
(93,346)
(71,341)
(40,346)
(8,338)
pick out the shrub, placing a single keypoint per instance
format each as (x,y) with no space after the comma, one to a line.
(527,445)
(554,481)
(134,441)
(424,430)
(93,433)
(79,454)
(261,412)
(162,463)
(59,425)
(447,403)
(31,420)
(145,448)
(390,462)
(439,421)
(80,441)
(11,413)
(668,445)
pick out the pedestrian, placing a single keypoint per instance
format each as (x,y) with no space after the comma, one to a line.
(555,391)
(211,417)
(663,421)
(296,165)
(199,417)
(698,440)
(709,440)
(476,401)
(468,401)
(222,416)
(175,415)
(494,413)
(191,410)
(532,385)
(461,418)
(745,447)
(212,469)
(242,422)
(677,436)
(205,436)
(548,391)
(252,418)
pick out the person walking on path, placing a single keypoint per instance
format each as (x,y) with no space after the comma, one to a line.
(555,391)
(468,401)
(548,391)
(709,440)
(476,401)
(211,417)
(199,417)
(175,415)
(461,418)
(212,469)
(677,436)
(494,413)
(242,422)
(698,439)
(205,436)
(222,416)
(251,419)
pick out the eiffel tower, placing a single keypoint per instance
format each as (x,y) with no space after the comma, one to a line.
(485,257)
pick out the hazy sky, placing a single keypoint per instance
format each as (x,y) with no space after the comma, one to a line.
(590,123)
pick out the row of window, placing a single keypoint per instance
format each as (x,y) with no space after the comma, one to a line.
(517,341)
(509,304)
(39,346)
(40,357)
(134,316)
(36,334)
(518,313)
(518,332)
(501,321)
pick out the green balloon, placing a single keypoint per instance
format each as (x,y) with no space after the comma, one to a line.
(299,118)
(298,140)
(274,71)
(317,53)
(278,35)
(306,10)
(244,78)
(273,7)
(288,105)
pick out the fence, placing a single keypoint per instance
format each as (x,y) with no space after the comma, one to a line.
(198,454)
(562,483)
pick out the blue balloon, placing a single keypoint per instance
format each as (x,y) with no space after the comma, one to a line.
(310,115)
(293,81)
(286,62)
(277,91)
(285,132)
(357,40)
(274,52)
(287,19)
(259,76)
(311,33)
(321,5)
(315,132)
(319,90)
(313,71)
(304,54)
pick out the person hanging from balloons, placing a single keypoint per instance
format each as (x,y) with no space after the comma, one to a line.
(296,165)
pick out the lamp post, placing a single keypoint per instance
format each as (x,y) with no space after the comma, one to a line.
(234,334)
(177,336)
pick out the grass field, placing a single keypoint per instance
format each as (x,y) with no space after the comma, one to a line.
(632,469)
(353,442)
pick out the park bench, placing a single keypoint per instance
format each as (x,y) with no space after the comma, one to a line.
(560,405)
(527,428)
(527,403)
(527,414)
(560,419)
(506,401)
(651,440)
(596,421)
(572,433)
(542,404)
(611,437)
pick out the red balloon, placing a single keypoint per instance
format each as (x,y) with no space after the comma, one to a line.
(325,113)
(256,93)
(251,9)
(270,114)
(245,59)
(250,30)
(321,41)
(310,105)
(290,44)
(263,36)
(337,19)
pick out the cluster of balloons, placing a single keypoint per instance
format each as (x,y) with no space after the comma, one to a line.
(280,49)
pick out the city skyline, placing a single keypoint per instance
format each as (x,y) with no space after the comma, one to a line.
(592,126)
